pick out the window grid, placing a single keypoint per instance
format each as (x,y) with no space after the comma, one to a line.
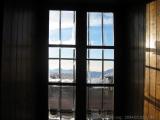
(62,111)
(62,84)
(93,85)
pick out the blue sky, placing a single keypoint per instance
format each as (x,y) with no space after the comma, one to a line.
(68,36)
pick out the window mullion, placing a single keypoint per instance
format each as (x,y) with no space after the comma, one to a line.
(81,18)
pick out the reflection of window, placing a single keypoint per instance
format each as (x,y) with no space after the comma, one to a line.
(152,63)
(62,62)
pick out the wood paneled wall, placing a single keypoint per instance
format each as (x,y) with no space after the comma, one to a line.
(152,62)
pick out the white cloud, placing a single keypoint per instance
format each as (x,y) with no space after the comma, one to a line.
(66,19)
(53,64)
(67,42)
(96,19)
(70,41)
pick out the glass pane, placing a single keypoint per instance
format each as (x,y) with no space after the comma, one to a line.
(94,72)
(95,28)
(53,115)
(108,99)
(53,95)
(94,98)
(99,116)
(68,116)
(108,72)
(67,27)
(53,71)
(100,103)
(53,52)
(68,71)
(68,98)
(54,22)
(94,53)
(108,54)
(68,53)
(108,29)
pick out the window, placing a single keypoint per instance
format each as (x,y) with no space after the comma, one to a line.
(62,65)
(98,65)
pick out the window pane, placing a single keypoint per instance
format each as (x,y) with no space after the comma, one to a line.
(108,98)
(53,71)
(95,98)
(94,53)
(54,23)
(108,29)
(68,53)
(53,95)
(62,27)
(108,54)
(68,98)
(53,52)
(53,115)
(108,72)
(68,116)
(95,28)
(100,102)
(68,70)
(67,27)
(99,116)
(94,74)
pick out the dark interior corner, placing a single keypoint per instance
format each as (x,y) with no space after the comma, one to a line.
(24,56)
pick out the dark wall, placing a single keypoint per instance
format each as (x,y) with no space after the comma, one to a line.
(23,68)
(134,41)
(129,61)
(17,81)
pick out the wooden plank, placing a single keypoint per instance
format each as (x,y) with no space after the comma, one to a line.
(152,110)
(147,58)
(146,84)
(158,34)
(146,104)
(147,25)
(158,85)
(152,82)
(152,24)
(152,59)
